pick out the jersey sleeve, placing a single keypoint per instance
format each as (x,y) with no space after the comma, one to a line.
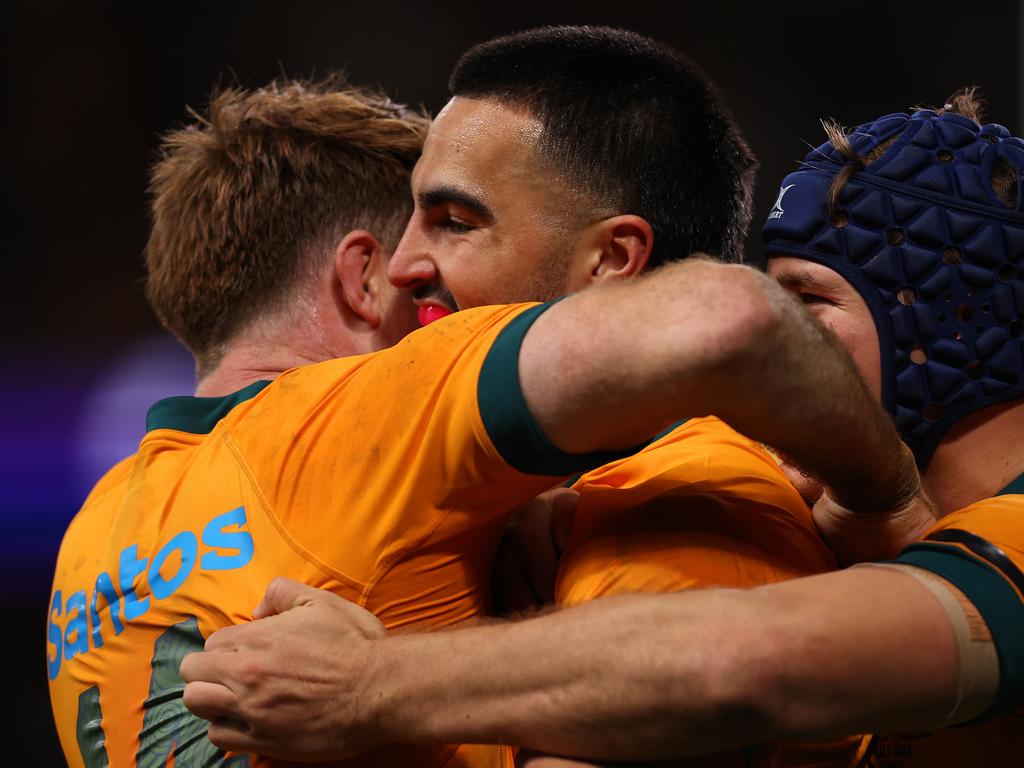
(381,449)
(980,549)
(507,420)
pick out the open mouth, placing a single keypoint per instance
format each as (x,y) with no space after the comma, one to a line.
(428,313)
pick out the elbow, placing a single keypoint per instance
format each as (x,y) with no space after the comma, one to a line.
(750,313)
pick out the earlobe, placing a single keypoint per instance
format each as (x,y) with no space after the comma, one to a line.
(625,243)
(357,260)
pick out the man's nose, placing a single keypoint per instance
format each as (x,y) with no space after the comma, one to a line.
(411,264)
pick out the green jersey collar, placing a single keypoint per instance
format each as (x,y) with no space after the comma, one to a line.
(197,415)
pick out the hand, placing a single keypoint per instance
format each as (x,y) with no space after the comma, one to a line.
(524,569)
(858,537)
(869,526)
(294,683)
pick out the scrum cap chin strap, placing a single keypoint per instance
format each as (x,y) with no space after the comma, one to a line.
(935,253)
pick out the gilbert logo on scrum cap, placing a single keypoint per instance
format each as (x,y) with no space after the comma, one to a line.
(777,210)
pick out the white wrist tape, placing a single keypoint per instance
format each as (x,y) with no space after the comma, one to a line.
(978,678)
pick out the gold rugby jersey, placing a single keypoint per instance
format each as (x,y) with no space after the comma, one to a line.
(386,478)
(702,506)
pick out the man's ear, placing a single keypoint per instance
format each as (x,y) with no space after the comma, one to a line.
(619,247)
(357,264)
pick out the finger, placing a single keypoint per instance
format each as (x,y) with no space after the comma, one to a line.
(233,736)
(282,595)
(233,637)
(211,701)
(209,667)
(188,670)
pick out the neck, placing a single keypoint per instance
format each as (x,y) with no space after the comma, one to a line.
(261,356)
(977,458)
(242,366)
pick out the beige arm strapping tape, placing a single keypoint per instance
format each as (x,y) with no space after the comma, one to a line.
(978,678)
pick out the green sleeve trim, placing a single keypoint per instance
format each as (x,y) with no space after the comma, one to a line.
(998,603)
(664,433)
(1016,486)
(668,430)
(507,419)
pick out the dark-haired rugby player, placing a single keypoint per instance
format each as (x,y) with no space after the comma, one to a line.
(907,239)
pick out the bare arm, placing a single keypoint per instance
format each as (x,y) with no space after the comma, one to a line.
(637,676)
(698,338)
(688,673)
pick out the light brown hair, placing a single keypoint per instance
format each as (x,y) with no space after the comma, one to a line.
(966,102)
(255,192)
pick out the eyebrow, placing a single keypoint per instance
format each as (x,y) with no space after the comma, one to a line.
(445,195)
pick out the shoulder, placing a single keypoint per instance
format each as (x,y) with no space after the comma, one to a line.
(113,482)
(92,521)
(980,550)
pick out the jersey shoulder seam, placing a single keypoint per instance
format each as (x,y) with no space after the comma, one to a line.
(278,524)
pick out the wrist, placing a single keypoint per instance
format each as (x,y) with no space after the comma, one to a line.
(892,485)
(411,687)
(858,537)
(385,703)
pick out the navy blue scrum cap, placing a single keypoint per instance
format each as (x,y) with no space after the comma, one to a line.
(934,251)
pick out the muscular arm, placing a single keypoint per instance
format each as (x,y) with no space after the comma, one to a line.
(661,676)
(637,676)
(702,337)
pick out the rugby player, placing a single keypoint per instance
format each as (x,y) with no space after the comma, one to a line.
(385,477)
(907,239)
(555,138)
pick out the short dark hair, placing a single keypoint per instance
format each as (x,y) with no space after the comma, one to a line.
(258,187)
(632,122)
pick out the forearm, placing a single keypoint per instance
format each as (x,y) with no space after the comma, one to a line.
(804,396)
(610,367)
(657,676)
(592,682)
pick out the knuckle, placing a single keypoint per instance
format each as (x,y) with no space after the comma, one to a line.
(252,672)
(219,639)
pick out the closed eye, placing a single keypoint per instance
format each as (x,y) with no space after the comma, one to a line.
(813,298)
(455,225)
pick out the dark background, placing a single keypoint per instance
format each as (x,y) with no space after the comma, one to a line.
(89,86)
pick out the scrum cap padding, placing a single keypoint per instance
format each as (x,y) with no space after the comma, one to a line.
(937,256)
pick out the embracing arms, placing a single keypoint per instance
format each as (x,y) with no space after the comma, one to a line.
(700,338)
(643,676)
(637,676)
